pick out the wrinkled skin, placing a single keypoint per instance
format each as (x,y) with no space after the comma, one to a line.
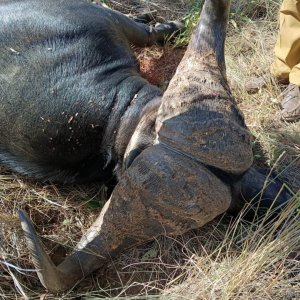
(80,109)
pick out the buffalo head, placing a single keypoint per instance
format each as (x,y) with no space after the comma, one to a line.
(186,151)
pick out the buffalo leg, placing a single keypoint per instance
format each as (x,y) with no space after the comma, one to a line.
(141,34)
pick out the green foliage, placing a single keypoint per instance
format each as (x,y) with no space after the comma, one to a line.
(190,21)
(106,2)
(93,204)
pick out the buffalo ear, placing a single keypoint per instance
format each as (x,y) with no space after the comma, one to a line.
(142,138)
(144,134)
(131,156)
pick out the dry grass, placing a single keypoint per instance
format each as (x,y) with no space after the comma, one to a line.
(250,53)
(225,259)
(167,9)
(251,261)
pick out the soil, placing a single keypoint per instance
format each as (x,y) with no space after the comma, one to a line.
(158,65)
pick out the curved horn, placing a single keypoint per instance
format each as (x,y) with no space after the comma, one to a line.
(198,115)
(50,276)
(83,261)
(209,37)
(160,193)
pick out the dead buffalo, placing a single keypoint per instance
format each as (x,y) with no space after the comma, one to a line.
(74,109)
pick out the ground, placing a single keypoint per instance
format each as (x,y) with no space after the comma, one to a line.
(226,259)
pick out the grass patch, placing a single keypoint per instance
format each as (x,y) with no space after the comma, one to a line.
(190,21)
(249,261)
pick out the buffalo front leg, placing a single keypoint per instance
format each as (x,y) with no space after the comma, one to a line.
(162,192)
(141,34)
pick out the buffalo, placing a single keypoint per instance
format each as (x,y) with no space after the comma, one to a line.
(75,109)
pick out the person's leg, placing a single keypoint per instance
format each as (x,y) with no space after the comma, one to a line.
(287,58)
(287,48)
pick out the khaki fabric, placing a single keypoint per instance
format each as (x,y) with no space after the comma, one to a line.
(287,48)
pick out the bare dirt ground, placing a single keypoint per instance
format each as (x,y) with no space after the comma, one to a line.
(222,260)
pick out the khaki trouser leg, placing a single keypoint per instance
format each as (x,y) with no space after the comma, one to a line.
(287,49)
